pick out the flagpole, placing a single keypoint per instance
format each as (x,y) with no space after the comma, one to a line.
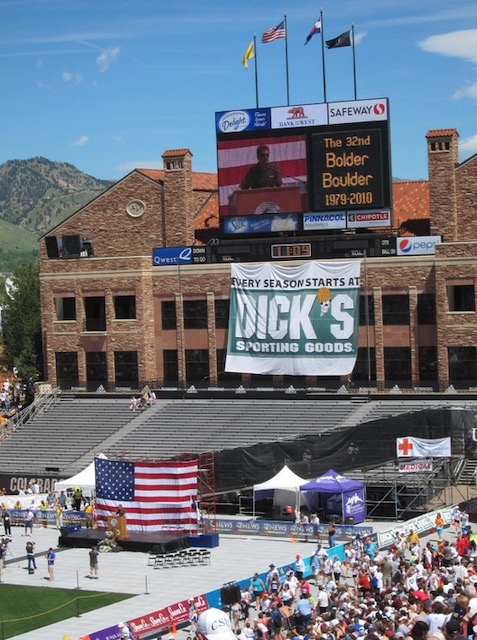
(354,65)
(256,68)
(323,55)
(286,57)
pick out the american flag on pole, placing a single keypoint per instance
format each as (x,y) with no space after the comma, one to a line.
(156,496)
(274,33)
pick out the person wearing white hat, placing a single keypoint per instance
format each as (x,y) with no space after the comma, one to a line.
(214,624)
(123,631)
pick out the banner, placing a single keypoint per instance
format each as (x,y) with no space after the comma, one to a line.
(155,496)
(416,466)
(410,447)
(294,320)
(354,505)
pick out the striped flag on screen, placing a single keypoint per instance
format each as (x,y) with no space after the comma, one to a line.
(156,496)
(274,33)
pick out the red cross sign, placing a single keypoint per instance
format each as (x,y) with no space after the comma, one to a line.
(405,447)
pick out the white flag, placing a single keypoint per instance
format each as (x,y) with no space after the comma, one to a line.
(409,447)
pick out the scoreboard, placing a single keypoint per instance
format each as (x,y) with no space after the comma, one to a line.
(328,169)
(269,250)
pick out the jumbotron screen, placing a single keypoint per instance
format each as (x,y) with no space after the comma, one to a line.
(304,169)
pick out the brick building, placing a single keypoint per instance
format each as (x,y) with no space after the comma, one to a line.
(110,317)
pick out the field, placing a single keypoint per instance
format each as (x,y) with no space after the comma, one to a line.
(23,609)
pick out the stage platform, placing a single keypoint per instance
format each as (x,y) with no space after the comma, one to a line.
(82,538)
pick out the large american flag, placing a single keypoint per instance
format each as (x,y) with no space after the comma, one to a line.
(274,33)
(156,496)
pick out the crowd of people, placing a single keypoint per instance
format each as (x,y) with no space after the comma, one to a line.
(410,591)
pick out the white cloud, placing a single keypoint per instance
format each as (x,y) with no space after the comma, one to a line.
(456,44)
(469,91)
(69,77)
(468,146)
(81,142)
(359,37)
(105,58)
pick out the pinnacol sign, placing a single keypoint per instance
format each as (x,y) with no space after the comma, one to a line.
(294,320)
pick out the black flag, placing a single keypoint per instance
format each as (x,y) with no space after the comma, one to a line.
(344,40)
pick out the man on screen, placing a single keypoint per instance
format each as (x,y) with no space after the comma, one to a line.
(262,174)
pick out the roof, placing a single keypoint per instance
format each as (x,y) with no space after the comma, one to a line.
(410,201)
(201,181)
(441,133)
(176,152)
(410,197)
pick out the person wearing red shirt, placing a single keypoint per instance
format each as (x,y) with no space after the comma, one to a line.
(364,582)
(463,545)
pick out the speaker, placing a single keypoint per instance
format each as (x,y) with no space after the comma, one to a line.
(52,247)
(230,594)
(71,246)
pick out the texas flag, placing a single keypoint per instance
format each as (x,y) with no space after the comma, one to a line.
(409,447)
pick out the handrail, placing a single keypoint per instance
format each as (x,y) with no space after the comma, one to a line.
(41,402)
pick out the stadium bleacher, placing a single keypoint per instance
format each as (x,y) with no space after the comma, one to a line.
(80,427)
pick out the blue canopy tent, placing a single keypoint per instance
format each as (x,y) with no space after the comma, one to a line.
(345,495)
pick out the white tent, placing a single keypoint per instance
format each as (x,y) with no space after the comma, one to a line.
(284,487)
(85,479)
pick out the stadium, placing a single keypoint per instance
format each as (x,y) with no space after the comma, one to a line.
(323,323)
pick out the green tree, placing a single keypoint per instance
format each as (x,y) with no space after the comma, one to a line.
(22,321)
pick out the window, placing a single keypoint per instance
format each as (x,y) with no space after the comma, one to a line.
(168,314)
(223,378)
(395,310)
(360,371)
(96,368)
(197,366)
(94,308)
(222,308)
(171,369)
(67,369)
(125,307)
(461,297)
(125,368)
(426,308)
(195,314)
(363,301)
(397,365)
(427,363)
(65,308)
(462,363)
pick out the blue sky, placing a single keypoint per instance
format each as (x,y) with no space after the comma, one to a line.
(109,85)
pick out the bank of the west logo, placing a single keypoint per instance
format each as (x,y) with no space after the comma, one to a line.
(296,112)
(233,121)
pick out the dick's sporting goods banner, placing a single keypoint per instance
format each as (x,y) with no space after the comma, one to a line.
(294,320)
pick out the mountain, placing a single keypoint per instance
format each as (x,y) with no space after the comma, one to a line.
(35,195)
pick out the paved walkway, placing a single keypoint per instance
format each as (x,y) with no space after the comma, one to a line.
(127,572)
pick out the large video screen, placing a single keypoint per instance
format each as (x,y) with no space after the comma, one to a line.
(304,169)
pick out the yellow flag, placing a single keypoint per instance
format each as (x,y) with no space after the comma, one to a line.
(248,55)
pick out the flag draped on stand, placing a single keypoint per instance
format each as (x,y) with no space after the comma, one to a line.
(316,28)
(274,33)
(344,40)
(248,55)
(410,447)
(156,496)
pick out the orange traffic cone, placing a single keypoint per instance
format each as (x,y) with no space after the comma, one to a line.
(173,629)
